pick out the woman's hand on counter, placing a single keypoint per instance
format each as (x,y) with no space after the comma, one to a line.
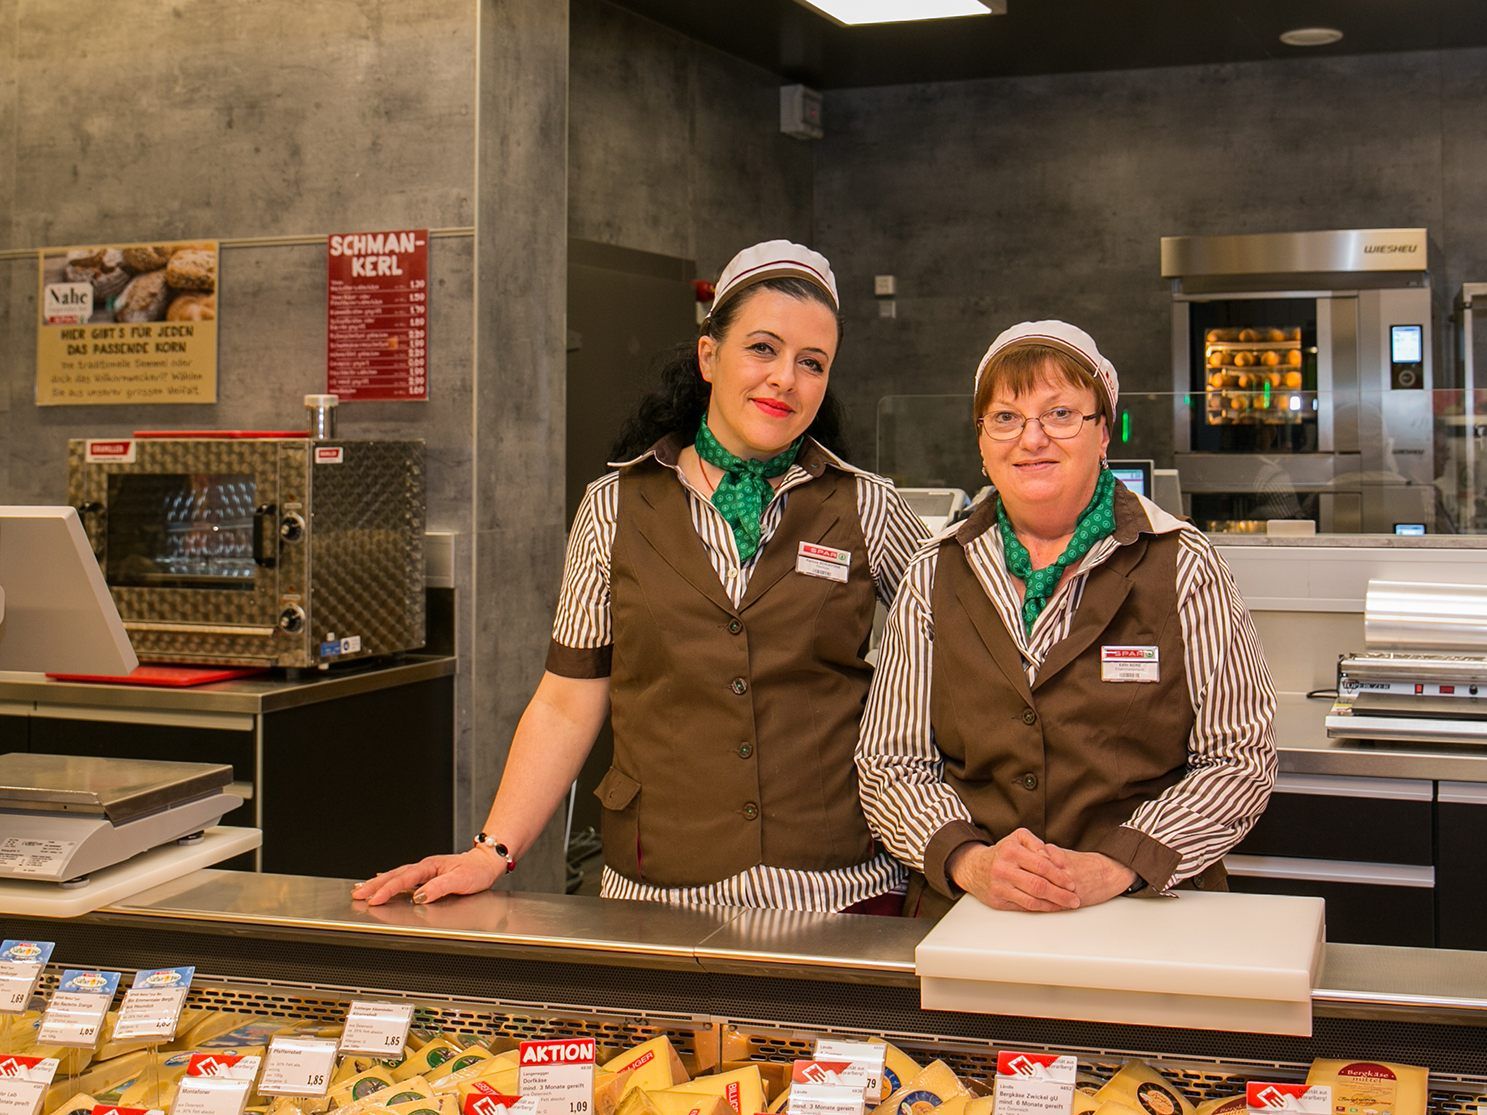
(1015,873)
(433,877)
(1097,877)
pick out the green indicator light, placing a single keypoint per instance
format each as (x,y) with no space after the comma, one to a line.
(1265,391)
(1125,426)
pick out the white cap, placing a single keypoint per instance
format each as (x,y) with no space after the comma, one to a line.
(775,259)
(1064,337)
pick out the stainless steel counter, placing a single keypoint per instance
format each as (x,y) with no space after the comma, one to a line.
(246,696)
(835,948)
(1301,739)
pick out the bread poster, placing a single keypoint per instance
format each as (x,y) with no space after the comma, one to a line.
(127,323)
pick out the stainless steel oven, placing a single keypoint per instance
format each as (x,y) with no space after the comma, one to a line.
(273,550)
(1303,369)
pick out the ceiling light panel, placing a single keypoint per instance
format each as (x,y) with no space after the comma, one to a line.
(856,13)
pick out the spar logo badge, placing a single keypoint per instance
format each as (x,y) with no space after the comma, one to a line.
(23,951)
(88,981)
(166,977)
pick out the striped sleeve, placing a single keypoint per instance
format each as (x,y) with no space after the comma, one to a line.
(582,638)
(893,532)
(900,769)
(1231,750)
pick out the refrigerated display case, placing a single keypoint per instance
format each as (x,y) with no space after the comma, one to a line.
(727,985)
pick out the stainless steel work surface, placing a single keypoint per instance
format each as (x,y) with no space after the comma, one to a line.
(1303,746)
(544,926)
(119,789)
(251,696)
(848,948)
(1416,979)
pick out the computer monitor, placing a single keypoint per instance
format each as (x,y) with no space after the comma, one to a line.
(56,614)
(1135,475)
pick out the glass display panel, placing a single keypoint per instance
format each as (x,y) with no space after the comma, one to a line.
(180,530)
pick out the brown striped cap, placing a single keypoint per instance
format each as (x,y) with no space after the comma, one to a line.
(775,259)
(1065,337)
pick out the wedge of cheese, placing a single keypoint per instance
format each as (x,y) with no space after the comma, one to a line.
(470,1055)
(898,1066)
(1140,1087)
(742,1089)
(653,1066)
(432,1055)
(689,1103)
(362,1086)
(932,1086)
(1225,1105)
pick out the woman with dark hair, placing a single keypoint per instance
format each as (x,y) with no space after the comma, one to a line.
(717,600)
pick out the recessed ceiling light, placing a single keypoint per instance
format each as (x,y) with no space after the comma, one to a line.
(1311,36)
(855,13)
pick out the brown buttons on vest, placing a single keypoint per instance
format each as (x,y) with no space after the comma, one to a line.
(1029,716)
(750,810)
(735,625)
(739,686)
(745,750)
(1028,781)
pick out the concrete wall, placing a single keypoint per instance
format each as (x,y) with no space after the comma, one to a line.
(281,119)
(675,148)
(995,201)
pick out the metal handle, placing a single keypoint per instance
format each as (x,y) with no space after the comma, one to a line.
(265,514)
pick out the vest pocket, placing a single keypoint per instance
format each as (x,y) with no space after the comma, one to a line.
(619,794)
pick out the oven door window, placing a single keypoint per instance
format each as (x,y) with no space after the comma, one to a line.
(1255,363)
(181,530)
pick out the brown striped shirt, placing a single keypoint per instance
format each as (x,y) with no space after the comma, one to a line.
(1231,749)
(583,623)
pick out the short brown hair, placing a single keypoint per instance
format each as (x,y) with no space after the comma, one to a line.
(1019,367)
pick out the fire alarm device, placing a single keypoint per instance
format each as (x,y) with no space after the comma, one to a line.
(800,112)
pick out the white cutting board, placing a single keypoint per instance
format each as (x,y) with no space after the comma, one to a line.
(1200,960)
(123,880)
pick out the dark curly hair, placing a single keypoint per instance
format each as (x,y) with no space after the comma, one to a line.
(677,404)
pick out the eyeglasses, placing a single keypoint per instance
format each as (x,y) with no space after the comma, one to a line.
(1007,425)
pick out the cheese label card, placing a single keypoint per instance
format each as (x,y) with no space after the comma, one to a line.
(23,1083)
(832,1074)
(21,964)
(560,1074)
(1034,1083)
(378,1028)
(1302,1099)
(298,1067)
(75,1015)
(823,561)
(494,1103)
(1130,664)
(866,1057)
(824,1099)
(152,1005)
(212,1094)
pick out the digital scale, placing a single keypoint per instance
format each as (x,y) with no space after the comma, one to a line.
(65,817)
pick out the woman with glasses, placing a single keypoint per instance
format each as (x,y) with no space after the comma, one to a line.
(1071,702)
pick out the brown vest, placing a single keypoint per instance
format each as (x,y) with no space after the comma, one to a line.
(1070,757)
(734,728)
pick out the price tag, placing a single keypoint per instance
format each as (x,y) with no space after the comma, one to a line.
(152,1005)
(1034,1083)
(215,1084)
(1314,1099)
(824,1099)
(377,1028)
(23,1083)
(868,1055)
(298,1067)
(75,1015)
(21,964)
(560,1074)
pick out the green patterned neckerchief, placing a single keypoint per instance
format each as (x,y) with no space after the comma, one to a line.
(1096,521)
(744,492)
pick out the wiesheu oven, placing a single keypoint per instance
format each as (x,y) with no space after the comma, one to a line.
(265,550)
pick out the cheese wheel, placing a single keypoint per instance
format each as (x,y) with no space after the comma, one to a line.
(898,1066)
(1293,380)
(1373,1087)
(1270,359)
(743,1089)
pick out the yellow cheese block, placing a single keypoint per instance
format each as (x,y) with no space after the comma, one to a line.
(743,1089)
(1373,1087)
(981,1105)
(1142,1088)
(669,1102)
(403,1091)
(1115,1107)
(653,1065)
(932,1086)
(80,1104)
(1084,1103)
(609,1087)
(415,1107)
(898,1067)
(955,1105)
(362,1086)
(1225,1105)
(504,1080)
(100,1080)
(432,1055)
(636,1101)
(466,1057)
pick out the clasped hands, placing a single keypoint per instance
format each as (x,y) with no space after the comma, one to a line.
(1021,872)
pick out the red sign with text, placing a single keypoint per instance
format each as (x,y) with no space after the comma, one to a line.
(377,315)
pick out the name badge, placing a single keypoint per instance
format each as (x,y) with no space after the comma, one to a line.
(1130,664)
(823,561)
